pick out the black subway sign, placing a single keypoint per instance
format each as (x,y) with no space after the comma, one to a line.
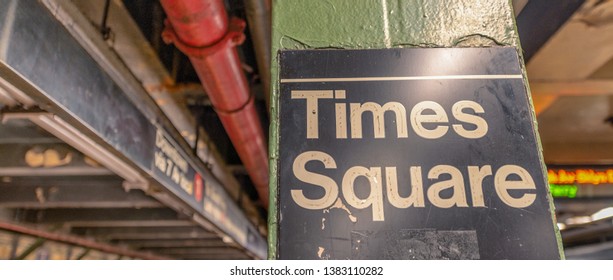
(409,154)
(203,192)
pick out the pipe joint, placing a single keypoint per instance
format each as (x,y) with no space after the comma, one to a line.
(234,37)
(236,110)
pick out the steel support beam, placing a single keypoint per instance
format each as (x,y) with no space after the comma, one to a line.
(72,192)
(580,252)
(58,171)
(109,113)
(587,29)
(137,230)
(578,153)
(24,133)
(44,159)
(69,252)
(136,233)
(545,93)
(589,232)
(80,217)
(539,20)
(30,249)
(200,251)
(572,88)
(212,257)
(78,241)
(140,58)
(83,254)
(130,223)
(583,43)
(14,246)
(582,206)
(183,243)
(167,236)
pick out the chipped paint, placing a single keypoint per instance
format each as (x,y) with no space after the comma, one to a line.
(340,205)
(320,251)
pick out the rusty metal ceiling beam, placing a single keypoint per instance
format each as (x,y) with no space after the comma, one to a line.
(78,241)
(79,217)
(72,192)
(164,236)
(182,243)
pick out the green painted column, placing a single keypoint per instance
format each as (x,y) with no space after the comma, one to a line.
(376,24)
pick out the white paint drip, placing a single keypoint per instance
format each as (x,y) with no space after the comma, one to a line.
(386,28)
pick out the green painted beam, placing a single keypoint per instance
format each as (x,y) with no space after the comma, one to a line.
(375,24)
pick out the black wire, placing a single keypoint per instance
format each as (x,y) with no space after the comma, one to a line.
(105,30)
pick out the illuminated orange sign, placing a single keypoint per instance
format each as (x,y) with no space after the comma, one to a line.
(580,176)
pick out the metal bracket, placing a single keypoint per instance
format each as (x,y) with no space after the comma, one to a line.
(233,38)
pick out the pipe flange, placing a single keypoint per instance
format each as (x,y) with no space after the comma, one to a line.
(233,38)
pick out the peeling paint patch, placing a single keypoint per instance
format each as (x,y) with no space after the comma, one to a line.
(415,244)
(340,205)
(320,252)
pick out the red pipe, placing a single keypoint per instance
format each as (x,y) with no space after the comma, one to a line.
(200,29)
(79,241)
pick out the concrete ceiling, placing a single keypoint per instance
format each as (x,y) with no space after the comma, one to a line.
(571,79)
